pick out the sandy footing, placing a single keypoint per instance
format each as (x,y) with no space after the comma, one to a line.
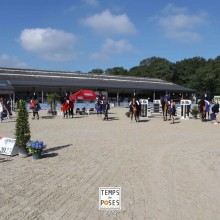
(166,172)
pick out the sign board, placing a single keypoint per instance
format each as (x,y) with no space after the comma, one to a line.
(7,146)
(157,101)
(185,106)
(185,102)
(157,106)
(110,198)
(144,109)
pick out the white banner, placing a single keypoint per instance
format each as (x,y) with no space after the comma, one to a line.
(7,146)
(110,198)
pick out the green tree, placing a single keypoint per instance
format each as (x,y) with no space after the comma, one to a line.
(97,71)
(157,67)
(196,73)
(52,100)
(22,127)
(184,70)
(139,71)
(116,71)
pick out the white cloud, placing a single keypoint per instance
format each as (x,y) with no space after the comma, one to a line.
(109,23)
(99,56)
(170,8)
(184,36)
(119,47)
(91,2)
(50,44)
(110,47)
(11,62)
(178,24)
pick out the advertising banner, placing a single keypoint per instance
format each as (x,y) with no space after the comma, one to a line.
(7,146)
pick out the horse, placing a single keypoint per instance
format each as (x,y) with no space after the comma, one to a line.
(134,113)
(71,107)
(134,110)
(165,106)
(202,109)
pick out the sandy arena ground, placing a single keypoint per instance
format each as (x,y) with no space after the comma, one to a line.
(166,172)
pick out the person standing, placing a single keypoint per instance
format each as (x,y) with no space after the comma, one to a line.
(32,104)
(36,109)
(207,109)
(107,107)
(215,113)
(98,107)
(65,108)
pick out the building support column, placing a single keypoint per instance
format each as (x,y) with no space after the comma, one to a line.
(13,101)
(42,96)
(117,98)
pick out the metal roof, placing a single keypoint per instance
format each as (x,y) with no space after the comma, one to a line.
(6,87)
(28,77)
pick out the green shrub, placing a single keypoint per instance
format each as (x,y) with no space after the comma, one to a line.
(22,127)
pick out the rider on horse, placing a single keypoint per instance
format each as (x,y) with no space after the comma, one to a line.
(134,106)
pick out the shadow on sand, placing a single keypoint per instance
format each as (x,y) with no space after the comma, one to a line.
(48,117)
(56,148)
(2,160)
(112,119)
(141,121)
(49,155)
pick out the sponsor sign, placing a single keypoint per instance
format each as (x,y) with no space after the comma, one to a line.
(88,94)
(7,146)
(110,198)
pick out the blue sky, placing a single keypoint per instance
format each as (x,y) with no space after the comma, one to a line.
(82,35)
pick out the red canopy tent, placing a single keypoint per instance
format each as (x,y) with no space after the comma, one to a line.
(83,95)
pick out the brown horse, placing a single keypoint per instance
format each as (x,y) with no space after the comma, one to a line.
(202,109)
(165,106)
(134,112)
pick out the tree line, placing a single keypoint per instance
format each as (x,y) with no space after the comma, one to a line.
(195,73)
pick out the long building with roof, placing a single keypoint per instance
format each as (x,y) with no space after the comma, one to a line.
(22,83)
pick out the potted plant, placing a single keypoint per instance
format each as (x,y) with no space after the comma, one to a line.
(52,100)
(22,129)
(194,112)
(35,148)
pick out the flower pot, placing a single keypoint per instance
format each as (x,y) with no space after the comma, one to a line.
(22,152)
(36,156)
